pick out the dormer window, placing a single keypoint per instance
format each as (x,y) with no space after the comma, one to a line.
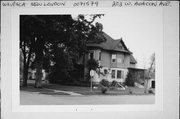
(113,58)
(120,46)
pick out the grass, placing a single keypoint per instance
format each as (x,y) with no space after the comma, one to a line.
(49,90)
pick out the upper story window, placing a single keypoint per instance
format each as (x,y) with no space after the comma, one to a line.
(113,58)
(99,55)
(120,46)
(91,55)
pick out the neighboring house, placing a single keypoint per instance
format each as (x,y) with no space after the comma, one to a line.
(114,59)
(150,77)
(137,76)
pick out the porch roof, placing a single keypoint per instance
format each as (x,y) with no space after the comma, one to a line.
(137,69)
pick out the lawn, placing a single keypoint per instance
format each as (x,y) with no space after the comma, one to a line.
(49,89)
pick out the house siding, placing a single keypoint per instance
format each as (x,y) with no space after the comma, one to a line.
(121,64)
(105,59)
(113,64)
(132,66)
(96,54)
(117,68)
(127,61)
(121,61)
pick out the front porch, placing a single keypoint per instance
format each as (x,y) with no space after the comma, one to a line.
(110,74)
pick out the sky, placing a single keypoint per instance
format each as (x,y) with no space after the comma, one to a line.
(140,29)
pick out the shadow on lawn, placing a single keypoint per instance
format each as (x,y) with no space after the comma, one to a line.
(53,93)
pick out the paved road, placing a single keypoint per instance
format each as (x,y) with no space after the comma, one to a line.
(30,98)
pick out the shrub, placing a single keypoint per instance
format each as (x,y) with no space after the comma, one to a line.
(150,92)
(104,85)
(103,90)
(130,91)
(129,80)
(92,64)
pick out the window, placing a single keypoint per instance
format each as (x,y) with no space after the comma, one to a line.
(99,55)
(120,46)
(113,57)
(105,71)
(119,74)
(113,74)
(91,55)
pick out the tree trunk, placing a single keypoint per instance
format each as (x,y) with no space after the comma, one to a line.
(84,74)
(147,81)
(26,66)
(25,70)
(25,75)
(39,63)
(39,67)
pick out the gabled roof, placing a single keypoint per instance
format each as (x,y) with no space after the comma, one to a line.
(111,44)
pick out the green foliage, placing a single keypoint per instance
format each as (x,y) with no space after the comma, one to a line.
(56,38)
(150,91)
(62,67)
(129,80)
(105,84)
(104,90)
(92,64)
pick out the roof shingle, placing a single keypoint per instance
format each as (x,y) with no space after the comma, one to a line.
(110,44)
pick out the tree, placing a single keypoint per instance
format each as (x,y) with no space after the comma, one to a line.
(62,67)
(83,31)
(130,79)
(150,71)
(39,33)
(27,42)
(92,64)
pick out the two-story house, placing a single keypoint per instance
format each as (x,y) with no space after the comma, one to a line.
(113,57)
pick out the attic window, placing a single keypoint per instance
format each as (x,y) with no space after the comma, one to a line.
(120,46)
(113,59)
